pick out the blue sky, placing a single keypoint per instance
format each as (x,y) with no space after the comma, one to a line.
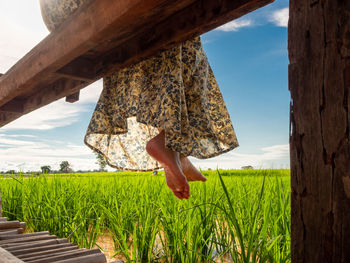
(249,59)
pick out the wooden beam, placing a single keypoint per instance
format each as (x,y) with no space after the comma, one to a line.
(53,92)
(79,69)
(199,17)
(93,25)
(102,40)
(319,82)
(15,106)
(73,97)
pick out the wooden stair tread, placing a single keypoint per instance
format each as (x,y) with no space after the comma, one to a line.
(32,248)
(41,247)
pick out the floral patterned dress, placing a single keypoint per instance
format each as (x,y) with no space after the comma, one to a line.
(174,90)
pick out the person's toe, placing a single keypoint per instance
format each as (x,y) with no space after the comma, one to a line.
(186,192)
(178,194)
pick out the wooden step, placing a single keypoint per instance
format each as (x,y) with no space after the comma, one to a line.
(27,239)
(47,253)
(42,247)
(37,244)
(28,251)
(11,231)
(13,236)
(81,258)
(10,225)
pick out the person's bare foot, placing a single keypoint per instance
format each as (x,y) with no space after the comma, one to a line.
(170,160)
(191,172)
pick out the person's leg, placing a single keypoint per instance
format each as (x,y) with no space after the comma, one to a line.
(191,172)
(170,160)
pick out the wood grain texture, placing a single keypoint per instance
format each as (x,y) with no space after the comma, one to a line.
(319,82)
(97,40)
(47,253)
(27,239)
(77,255)
(9,224)
(15,105)
(1,218)
(13,236)
(29,251)
(16,247)
(7,257)
(73,97)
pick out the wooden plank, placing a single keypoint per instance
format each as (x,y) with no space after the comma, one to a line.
(79,69)
(47,253)
(90,27)
(197,18)
(31,250)
(7,257)
(98,258)
(10,224)
(13,236)
(57,90)
(319,81)
(76,256)
(15,105)
(22,225)
(17,246)
(108,39)
(26,239)
(11,232)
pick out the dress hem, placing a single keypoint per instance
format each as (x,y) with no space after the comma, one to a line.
(118,167)
(157,168)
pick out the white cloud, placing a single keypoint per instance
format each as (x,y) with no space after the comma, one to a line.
(91,93)
(19,135)
(57,114)
(235,25)
(24,155)
(276,156)
(21,29)
(5,142)
(280,17)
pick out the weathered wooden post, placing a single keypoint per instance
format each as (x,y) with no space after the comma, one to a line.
(0,206)
(319,82)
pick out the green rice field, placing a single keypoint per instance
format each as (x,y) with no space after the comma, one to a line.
(236,216)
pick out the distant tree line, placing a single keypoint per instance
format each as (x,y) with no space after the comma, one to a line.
(65,167)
